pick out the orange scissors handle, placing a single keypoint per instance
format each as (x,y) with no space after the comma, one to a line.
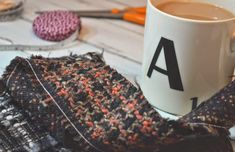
(132,14)
(141,10)
(134,18)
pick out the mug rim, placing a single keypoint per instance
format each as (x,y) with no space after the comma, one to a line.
(189,20)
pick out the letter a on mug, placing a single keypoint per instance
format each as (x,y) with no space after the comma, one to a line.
(172,71)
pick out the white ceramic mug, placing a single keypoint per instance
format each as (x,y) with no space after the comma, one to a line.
(186,61)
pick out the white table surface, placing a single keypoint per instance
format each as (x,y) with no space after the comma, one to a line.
(122,42)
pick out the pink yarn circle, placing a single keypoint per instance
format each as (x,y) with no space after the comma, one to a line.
(56,25)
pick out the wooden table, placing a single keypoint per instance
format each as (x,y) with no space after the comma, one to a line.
(122,42)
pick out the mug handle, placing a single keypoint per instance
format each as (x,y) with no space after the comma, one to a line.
(232,49)
(232,44)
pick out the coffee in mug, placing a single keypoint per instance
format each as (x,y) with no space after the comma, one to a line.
(195,10)
(187,59)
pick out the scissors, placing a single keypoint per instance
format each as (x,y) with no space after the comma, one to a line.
(133,14)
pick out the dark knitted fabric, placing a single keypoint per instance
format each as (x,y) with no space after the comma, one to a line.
(88,106)
(218,110)
(19,134)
